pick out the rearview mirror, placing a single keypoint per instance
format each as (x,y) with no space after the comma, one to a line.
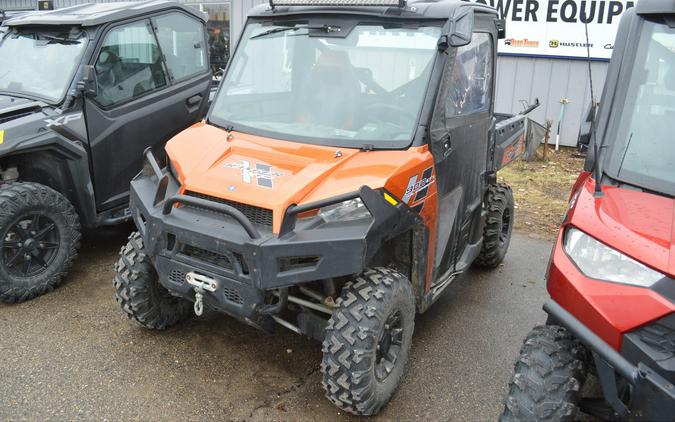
(461,27)
(87,81)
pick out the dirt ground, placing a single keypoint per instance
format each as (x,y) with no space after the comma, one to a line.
(72,355)
(541,189)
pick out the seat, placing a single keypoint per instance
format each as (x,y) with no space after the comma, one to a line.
(330,93)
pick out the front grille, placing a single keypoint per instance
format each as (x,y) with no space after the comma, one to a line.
(214,258)
(257,215)
(177,276)
(231,261)
(231,294)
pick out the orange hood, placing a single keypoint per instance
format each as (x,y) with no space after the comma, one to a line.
(274,174)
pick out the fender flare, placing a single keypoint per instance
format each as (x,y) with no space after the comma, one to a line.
(61,164)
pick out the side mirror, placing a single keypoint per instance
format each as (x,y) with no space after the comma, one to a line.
(584,139)
(461,27)
(501,28)
(87,82)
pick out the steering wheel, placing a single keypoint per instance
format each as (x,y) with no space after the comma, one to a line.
(388,113)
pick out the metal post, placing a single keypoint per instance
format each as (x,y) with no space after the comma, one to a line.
(563,102)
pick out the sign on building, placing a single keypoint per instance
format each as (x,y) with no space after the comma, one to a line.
(557,28)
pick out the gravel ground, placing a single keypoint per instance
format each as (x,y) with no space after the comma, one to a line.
(72,355)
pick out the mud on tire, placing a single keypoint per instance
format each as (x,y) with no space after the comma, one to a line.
(139,293)
(548,377)
(498,226)
(376,309)
(40,236)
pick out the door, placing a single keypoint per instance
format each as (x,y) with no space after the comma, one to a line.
(461,128)
(152,79)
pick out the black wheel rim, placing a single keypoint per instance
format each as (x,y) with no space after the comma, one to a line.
(389,346)
(29,245)
(506,227)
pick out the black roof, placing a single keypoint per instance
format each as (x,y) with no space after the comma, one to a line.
(655,7)
(94,14)
(414,9)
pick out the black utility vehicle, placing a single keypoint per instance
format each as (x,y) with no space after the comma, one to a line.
(83,91)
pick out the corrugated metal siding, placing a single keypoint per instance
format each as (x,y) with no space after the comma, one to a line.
(240,9)
(521,78)
(17,4)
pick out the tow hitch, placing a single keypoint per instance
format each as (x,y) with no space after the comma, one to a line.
(201,283)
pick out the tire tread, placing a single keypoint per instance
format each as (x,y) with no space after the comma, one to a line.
(139,293)
(499,198)
(20,195)
(548,377)
(349,345)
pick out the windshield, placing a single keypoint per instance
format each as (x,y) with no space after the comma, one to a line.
(299,82)
(645,152)
(39,63)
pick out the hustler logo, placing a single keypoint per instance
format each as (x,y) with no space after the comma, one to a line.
(263,174)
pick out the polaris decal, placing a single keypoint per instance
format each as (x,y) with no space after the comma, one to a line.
(263,174)
(63,120)
(418,186)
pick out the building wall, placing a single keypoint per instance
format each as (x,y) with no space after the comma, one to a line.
(240,9)
(524,79)
(518,78)
(17,4)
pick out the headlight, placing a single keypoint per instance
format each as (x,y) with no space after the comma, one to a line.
(352,209)
(601,262)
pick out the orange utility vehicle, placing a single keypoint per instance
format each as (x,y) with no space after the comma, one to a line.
(344,177)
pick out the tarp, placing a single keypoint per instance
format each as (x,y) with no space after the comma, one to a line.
(533,138)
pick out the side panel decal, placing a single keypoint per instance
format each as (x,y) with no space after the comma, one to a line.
(418,189)
(409,190)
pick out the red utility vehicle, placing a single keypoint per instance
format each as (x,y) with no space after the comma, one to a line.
(611,275)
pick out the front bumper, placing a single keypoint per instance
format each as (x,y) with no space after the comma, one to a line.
(247,261)
(647,367)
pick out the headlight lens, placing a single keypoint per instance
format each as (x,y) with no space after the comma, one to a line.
(601,262)
(352,209)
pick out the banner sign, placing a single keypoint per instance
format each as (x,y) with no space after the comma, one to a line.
(557,28)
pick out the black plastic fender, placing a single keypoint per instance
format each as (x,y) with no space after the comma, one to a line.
(62,164)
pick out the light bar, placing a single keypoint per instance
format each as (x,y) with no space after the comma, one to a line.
(396,3)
